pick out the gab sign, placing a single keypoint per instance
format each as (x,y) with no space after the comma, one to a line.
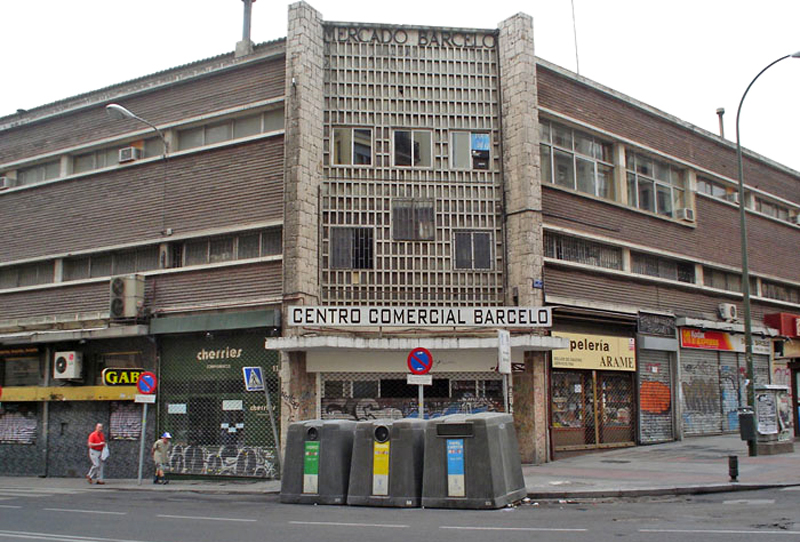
(121,377)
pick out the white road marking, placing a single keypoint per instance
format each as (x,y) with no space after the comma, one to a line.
(204,517)
(74,510)
(60,537)
(531,529)
(710,531)
(337,524)
(9,506)
(750,501)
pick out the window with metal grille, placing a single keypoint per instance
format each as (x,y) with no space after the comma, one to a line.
(665,268)
(413,220)
(351,248)
(473,250)
(573,249)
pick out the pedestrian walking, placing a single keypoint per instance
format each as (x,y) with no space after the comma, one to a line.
(161,449)
(97,451)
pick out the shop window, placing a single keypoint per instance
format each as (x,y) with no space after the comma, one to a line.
(413,220)
(335,389)
(364,389)
(352,147)
(473,250)
(351,248)
(412,148)
(654,186)
(18,423)
(576,160)
(583,251)
(470,150)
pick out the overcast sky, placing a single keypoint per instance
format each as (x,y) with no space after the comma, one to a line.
(684,57)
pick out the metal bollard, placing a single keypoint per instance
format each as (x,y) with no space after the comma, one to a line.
(733,467)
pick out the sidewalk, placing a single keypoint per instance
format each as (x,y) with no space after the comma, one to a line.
(694,465)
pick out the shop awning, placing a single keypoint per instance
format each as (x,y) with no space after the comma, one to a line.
(61,335)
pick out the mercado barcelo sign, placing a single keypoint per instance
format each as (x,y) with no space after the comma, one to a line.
(320,316)
(410,36)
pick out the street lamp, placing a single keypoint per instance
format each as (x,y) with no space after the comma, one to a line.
(748,325)
(117,112)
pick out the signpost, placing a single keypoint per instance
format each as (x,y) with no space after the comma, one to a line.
(254,381)
(146,386)
(504,360)
(420,362)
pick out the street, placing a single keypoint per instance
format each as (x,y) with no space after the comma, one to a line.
(107,515)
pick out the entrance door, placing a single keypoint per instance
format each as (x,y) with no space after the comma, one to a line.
(591,409)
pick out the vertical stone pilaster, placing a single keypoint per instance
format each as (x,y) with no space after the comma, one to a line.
(523,219)
(303,141)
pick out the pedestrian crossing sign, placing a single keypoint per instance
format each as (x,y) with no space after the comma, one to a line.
(253,378)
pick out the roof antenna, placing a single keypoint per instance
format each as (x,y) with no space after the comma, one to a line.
(245,47)
(575,35)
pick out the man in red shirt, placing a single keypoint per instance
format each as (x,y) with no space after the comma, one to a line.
(96,443)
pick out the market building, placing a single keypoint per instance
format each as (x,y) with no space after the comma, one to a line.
(323,205)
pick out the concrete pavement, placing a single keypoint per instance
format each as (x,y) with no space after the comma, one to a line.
(694,465)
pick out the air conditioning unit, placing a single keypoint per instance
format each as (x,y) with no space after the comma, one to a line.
(126,297)
(7,182)
(796,219)
(128,154)
(67,365)
(685,214)
(727,311)
(732,196)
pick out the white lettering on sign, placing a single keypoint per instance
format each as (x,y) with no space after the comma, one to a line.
(501,317)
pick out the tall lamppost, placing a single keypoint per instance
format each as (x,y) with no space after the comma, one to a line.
(748,324)
(116,111)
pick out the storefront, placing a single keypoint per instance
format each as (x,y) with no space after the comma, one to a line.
(218,427)
(786,362)
(657,348)
(713,376)
(592,399)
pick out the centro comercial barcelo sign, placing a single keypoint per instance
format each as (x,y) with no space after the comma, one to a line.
(345,316)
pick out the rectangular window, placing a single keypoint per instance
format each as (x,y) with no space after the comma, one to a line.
(37,174)
(579,160)
(351,248)
(582,251)
(655,266)
(655,186)
(413,220)
(412,148)
(473,250)
(352,147)
(470,150)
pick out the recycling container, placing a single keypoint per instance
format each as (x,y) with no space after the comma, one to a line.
(316,467)
(472,461)
(387,463)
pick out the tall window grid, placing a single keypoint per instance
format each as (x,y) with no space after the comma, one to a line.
(653,185)
(576,160)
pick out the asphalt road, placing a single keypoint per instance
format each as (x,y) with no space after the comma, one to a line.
(106,515)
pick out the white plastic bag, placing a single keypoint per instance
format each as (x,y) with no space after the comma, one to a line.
(106,453)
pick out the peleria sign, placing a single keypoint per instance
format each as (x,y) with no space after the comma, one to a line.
(598,352)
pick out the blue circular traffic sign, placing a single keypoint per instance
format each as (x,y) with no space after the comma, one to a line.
(147,383)
(420,361)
